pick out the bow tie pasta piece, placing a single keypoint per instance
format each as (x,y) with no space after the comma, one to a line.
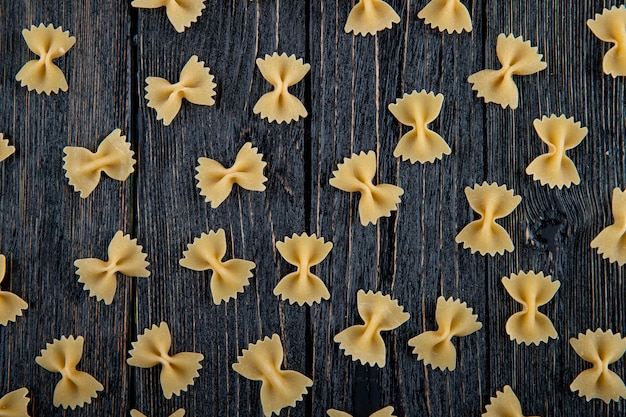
(610,26)
(609,241)
(195,84)
(75,387)
(370,16)
(554,167)
(355,174)
(100,277)
(384,412)
(435,347)
(601,349)
(304,252)
(177,371)
(181,13)
(216,182)
(517,58)
(11,305)
(484,235)
(178,413)
(230,277)
(281,71)
(15,404)
(504,404)
(363,341)
(42,74)
(531,290)
(6,150)
(420,143)
(279,388)
(448,15)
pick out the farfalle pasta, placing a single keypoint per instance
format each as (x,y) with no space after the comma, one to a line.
(370,16)
(195,84)
(383,412)
(517,58)
(11,305)
(229,277)
(6,150)
(417,110)
(49,43)
(448,15)
(181,13)
(279,388)
(554,167)
(355,174)
(610,241)
(282,72)
(178,413)
(76,388)
(601,348)
(363,342)
(83,168)
(216,182)
(15,403)
(504,404)
(454,319)
(531,290)
(152,349)
(304,252)
(100,277)
(610,26)
(484,235)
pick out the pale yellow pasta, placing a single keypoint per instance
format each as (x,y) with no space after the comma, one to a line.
(181,13)
(484,235)
(178,413)
(282,72)
(384,412)
(100,277)
(454,319)
(6,150)
(76,388)
(363,342)
(216,182)
(370,16)
(229,277)
(610,241)
(355,174)
(610,26)
(531,290)
(504,404)
(11,305)
(195,84)
(279,388)
(601,348)
(554,167)
(517,58)
(49,43)
(152,349)
(15,403)
(448,15)
(417,110)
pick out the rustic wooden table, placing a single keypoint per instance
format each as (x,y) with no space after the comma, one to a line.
(45,226)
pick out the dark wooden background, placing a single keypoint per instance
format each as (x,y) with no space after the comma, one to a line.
(45,226)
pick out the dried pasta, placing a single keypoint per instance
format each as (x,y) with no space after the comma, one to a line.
(282,72)
(355,174)
(6,150)
(504,404)
(383,412)
(448,15)
(152,349)
(49,43)
(601,348)
(554,167)
(363,342)
(517,58)
(454,319)
(181,13)
(100,277)
(195,84)
(531,290)
(610,26)
(178,413)
(484,235)
(420,143)
(279,388)
(370,16)
(609,241)
(304,252)
(83,168)
(15,403)
(230,277)
(76,388)
(216,182)
(11,305)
